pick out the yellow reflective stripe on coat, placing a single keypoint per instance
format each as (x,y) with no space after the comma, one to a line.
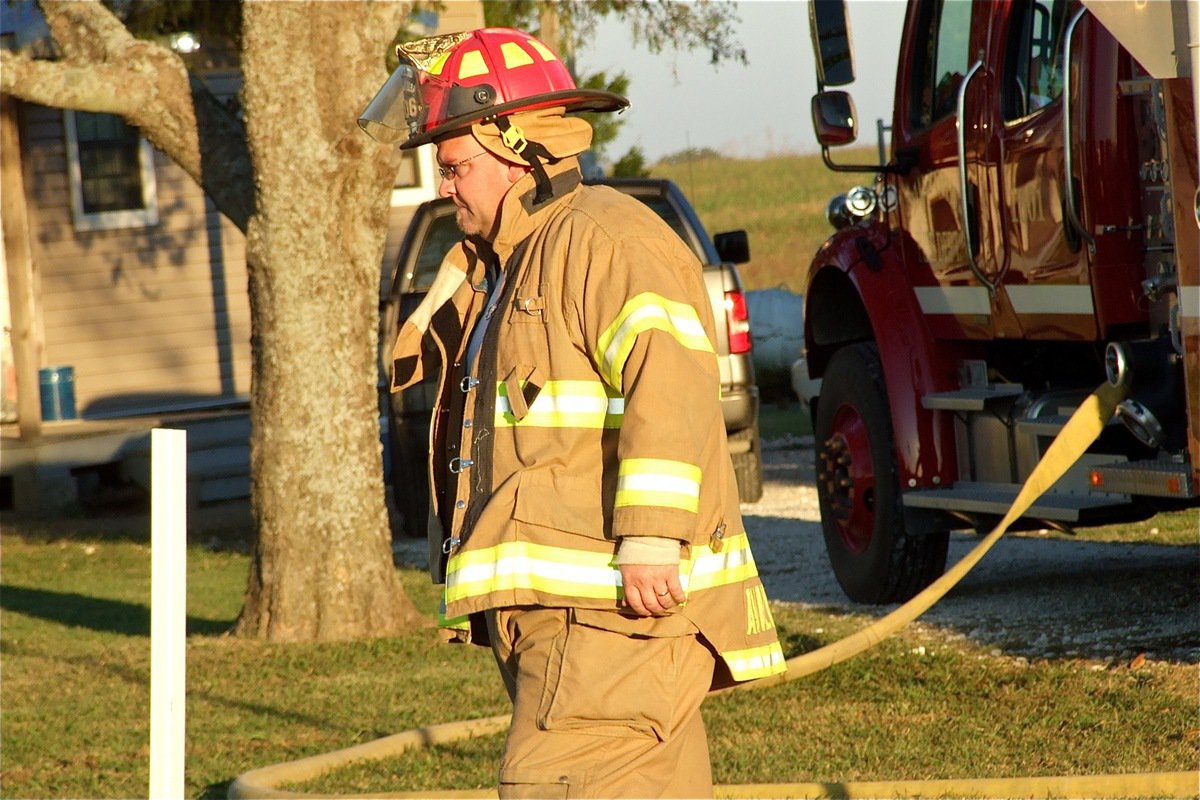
(658,482)
(524,565)
(755,662)
(564,404)
(647,311)
(455,623)
(566,572)
(734,563)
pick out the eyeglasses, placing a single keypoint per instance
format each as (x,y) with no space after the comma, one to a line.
(450,171)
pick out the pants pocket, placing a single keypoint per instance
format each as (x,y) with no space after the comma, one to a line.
(607,683)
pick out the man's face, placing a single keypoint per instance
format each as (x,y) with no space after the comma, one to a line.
(477,183)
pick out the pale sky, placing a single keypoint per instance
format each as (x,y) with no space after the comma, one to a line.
(679,100)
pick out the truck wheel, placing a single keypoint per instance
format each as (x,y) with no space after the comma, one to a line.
(747,465)
(874,558)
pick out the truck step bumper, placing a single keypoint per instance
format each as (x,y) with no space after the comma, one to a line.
(997,498)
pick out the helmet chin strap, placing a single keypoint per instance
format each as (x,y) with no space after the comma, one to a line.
(513,137)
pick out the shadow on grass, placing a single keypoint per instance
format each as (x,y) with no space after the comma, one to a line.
(96,613)
(216,791)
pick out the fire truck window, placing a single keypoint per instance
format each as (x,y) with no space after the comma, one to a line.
(1033,63)
(941,67)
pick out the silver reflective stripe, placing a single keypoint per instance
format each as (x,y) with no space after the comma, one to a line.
(1051,299)
(1189,302)
(954,300)
(564,404)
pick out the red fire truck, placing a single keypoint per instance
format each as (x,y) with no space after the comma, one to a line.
(1032,234)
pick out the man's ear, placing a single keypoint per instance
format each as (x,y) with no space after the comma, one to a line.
(517,171)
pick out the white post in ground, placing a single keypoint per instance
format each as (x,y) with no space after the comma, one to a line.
(168,610)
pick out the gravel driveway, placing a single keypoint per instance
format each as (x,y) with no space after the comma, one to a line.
(1030,596)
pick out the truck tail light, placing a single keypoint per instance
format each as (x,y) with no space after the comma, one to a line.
(738,318)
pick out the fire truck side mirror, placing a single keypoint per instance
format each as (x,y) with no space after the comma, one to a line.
(830,29)
(834,118)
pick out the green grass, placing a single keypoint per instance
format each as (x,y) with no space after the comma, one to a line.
(1178,528)
(779,201)
(75,653)
(783,421)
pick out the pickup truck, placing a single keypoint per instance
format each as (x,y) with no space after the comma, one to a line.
(430,236)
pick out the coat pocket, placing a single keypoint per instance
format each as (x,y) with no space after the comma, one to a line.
(520,388)
(561,503)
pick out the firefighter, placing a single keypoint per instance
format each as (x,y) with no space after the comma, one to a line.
(585,519)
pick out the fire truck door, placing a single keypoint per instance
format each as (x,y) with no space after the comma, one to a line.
(1047,280)
(959,252)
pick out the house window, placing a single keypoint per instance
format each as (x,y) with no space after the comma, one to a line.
(111,173)
(415,178)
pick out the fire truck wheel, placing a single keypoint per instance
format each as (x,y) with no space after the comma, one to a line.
(875,560)
(747,466)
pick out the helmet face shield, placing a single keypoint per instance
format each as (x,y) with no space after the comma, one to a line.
(397,111)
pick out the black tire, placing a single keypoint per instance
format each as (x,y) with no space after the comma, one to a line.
(875,559)
(747,465)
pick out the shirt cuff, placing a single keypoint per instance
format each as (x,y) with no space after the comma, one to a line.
(648,551)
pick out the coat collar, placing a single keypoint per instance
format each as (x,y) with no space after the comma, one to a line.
(518,217)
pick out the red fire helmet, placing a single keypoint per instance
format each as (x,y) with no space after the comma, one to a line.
(445,83)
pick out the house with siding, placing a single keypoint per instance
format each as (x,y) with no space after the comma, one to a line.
(126,288)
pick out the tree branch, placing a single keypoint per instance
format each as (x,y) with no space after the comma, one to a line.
(59,84)
(86,31)
(107,70)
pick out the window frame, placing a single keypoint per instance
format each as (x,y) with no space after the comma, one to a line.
(426,188)
(143,217)
(922,77)
(1018,53)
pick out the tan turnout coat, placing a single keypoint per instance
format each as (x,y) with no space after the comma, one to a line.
(592,413)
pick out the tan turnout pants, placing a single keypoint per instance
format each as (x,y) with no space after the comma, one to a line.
(597,712)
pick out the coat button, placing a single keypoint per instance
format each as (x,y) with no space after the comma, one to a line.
(461,504)
(466,423)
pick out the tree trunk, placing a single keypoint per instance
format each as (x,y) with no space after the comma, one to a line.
(322,565)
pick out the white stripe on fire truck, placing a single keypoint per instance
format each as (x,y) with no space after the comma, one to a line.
(1189,302)
(1051,299)
(954,300)
(974,300)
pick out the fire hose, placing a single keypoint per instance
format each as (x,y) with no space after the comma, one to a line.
(1076,436)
